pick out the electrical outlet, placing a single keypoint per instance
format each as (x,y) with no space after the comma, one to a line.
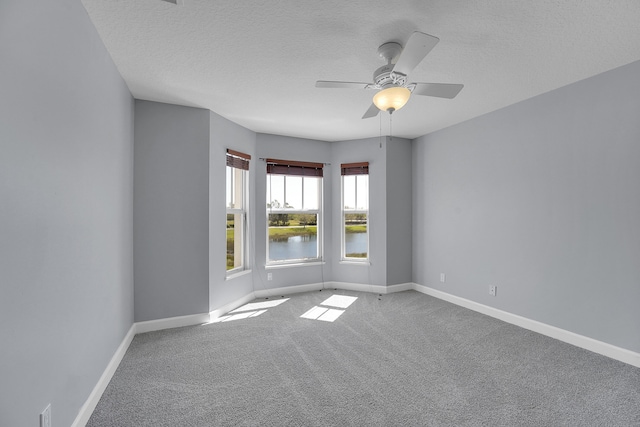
(45,417)
(493,290)
(443,278)
(269,276)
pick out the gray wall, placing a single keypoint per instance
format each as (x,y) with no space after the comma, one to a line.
(226,134)
(372,151)
(171,210)
(66,157)
(542,200)
(399,212)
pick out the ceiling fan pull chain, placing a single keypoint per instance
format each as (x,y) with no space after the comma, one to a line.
(380,130)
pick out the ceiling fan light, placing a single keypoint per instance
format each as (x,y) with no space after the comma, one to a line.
(391,99)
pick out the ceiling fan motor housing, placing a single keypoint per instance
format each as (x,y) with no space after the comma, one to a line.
(383,77)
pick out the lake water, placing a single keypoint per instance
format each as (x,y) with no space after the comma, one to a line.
(300,247)
(355,243)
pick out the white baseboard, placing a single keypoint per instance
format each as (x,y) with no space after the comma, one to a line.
(347,286)
(617,353)
(171,322)
(92,401)
(267,293)
(376,289)
(401,287)
(358,287)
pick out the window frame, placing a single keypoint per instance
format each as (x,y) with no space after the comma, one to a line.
(353,169)
(239,164)
(303,170)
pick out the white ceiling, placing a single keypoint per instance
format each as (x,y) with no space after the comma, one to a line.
(256,62)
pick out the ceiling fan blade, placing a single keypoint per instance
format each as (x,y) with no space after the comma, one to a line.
(440,90)
(418,46)
(371,112)
(342,85)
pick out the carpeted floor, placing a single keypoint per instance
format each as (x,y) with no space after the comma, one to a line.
(403,359)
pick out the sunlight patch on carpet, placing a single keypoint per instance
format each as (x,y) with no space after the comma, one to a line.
(245,315)
(327,314)
(322,313)
(252,309)
(260,305)
(339,301)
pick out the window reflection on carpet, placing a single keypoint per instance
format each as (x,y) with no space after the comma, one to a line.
(327,314)
(253,309)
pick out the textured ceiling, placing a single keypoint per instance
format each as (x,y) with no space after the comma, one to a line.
(256,62)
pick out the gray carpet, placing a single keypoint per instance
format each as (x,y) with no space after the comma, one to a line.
(405,359)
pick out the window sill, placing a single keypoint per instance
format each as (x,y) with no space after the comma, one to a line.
(237,274)
(293,264)
(353,262)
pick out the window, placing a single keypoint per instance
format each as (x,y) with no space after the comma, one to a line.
(237,180)
(355,211)
(294,211)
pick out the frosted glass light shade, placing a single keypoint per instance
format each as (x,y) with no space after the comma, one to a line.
(391,99)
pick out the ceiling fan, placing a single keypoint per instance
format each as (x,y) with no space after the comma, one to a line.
(390,80)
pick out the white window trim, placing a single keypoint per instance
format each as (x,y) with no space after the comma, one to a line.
(274,265)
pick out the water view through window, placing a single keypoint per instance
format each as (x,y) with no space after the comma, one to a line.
(305,246)
(355,211)
(293,236)
(356,236)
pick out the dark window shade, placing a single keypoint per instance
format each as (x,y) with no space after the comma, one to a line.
(293,167)
(237,159)
(361,168)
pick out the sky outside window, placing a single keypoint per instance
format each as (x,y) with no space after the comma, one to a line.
(356,192)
